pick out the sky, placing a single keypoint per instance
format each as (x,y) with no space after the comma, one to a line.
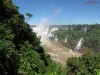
(61,12)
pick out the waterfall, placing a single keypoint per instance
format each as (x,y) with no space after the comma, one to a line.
(65,41)
(85,29)
(51,34)
(66,28)
(79,45)
(71,28)
(54,29)
(56,38)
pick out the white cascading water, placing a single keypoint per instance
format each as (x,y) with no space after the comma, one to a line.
(65,41)
(71,28)
(53,34)
(49,34)
(79,45)
(51,31)
(54,29)
(85,29)
(66,28)
(56,38)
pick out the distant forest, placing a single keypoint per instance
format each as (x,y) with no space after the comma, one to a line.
(90,33)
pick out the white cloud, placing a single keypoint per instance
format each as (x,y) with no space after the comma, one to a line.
(58,10)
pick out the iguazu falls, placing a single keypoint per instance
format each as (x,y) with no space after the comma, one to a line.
(49,37)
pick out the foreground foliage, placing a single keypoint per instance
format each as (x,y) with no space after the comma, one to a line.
(88,64)
(20,49)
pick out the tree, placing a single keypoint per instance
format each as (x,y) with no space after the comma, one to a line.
(29,15)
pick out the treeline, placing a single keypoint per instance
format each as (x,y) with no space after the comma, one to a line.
(90,33)
(20,49)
